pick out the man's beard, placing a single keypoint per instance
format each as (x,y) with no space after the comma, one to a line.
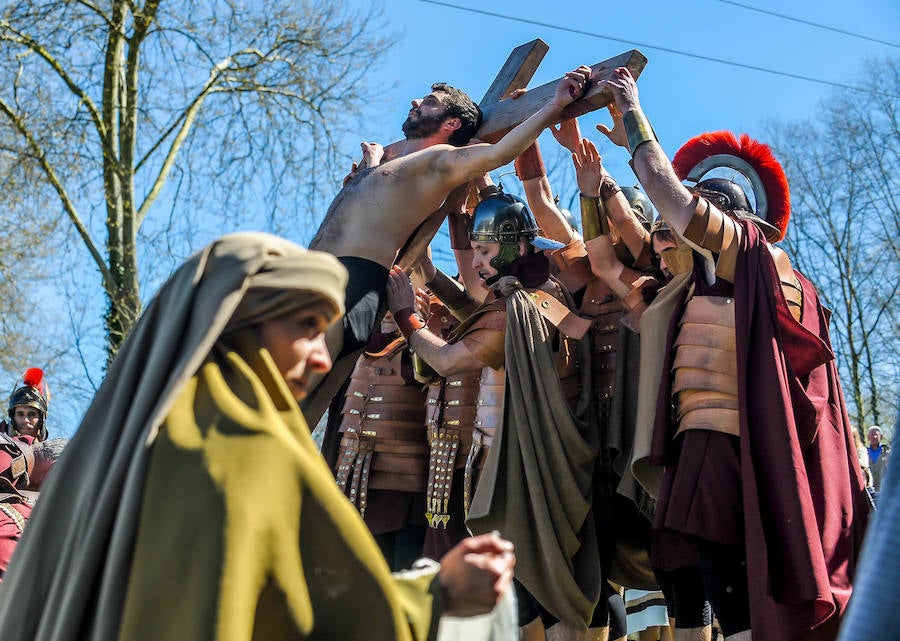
(423,127)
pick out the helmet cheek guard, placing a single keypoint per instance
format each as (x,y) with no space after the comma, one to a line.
(504,219)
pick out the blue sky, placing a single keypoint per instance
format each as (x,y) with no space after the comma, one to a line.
(683,95)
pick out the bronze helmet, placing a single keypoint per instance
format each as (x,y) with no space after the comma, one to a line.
(30,391)
(505,219)
(640,205)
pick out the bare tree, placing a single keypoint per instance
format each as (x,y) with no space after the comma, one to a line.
(145,121)
(844,171)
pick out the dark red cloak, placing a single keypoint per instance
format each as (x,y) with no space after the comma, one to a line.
(804,507)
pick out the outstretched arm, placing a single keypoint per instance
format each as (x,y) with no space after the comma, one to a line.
(673,200)
(589,173)
(466,163)
(530,170)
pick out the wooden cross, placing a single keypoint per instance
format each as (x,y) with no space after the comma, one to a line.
(500,115)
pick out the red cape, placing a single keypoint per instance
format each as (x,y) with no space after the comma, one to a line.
(805,509)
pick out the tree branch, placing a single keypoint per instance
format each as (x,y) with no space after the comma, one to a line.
(187,120)
(9,34)
(96,10)
(57,185)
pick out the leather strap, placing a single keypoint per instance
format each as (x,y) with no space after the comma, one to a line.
(560,316)
(444,445)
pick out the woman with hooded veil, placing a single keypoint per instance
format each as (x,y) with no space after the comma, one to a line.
(192,503)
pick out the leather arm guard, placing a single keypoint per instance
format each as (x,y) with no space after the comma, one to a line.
(530,164)
(408,321)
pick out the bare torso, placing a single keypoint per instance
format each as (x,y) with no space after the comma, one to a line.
(379,208)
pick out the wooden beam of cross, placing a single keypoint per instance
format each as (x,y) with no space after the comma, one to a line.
(500,114)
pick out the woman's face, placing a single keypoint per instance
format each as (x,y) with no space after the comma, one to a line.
(296,342)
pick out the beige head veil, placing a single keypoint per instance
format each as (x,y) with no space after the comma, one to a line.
(66,581)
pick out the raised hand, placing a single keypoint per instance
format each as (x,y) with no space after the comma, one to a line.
(399,290)
(588,168)
(616,135)
(572,86)
(423,303)
(373,153)
(568,134)
(624,89)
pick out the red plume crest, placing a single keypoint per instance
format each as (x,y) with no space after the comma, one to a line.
(757,154)
(34,377)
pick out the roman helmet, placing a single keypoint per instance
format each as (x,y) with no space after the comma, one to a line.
(505,219)
(640,204)
(567,215)
(660,224)
(717,150)
(31,390)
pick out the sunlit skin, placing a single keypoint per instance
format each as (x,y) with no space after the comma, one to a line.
(482,255)
(296,342)
(374,214)
(484,252)
(659,246)
(27,420)
(874,438)
(426,116)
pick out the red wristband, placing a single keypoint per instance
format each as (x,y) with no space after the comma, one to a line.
(408,321)
(530,164)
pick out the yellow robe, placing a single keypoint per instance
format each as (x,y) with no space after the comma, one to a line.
(243,533)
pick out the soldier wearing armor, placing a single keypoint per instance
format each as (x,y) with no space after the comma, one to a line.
(27,408)
(382,464)
(467,403)
(593,300)
(375,213)
(17,496)
(760,479)
(619,269)
(630,505)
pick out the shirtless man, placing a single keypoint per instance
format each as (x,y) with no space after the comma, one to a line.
(379,207)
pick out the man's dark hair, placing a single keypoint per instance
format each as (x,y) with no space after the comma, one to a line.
(459,105)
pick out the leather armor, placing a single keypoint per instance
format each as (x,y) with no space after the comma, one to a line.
(384,442)
(704,382)
(488,414)
(450,417)
(601,304)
